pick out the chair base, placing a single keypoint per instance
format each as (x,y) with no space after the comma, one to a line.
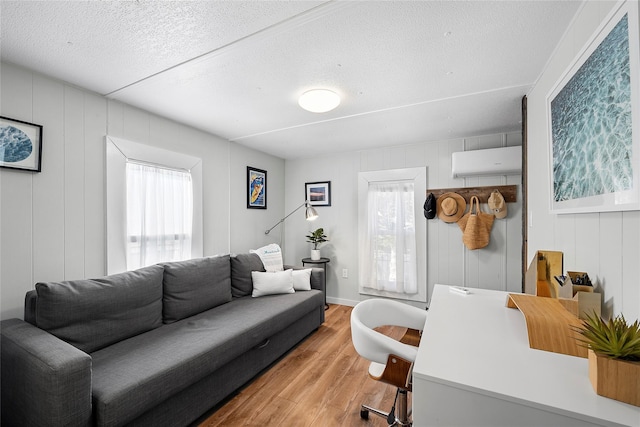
(403,418)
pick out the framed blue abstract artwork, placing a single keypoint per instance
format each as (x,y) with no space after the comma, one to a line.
(594,122)
(20,145)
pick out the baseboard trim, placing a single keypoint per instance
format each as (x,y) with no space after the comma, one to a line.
(341,301)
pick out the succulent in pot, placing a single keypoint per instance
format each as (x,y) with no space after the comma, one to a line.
(614,357)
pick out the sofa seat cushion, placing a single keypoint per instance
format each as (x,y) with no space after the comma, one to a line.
(135,375)
(195,285)
(94,313)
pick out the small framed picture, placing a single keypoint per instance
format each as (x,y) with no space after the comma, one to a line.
(318,193)
(256,188)
(20,144)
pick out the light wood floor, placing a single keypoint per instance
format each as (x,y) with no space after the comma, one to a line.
(322,382)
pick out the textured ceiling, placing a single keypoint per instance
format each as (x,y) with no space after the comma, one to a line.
(407,71)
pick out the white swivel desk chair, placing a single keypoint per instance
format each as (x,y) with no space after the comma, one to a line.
(391,360)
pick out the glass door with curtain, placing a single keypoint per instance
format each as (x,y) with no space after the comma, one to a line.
(390,260)
(392,234)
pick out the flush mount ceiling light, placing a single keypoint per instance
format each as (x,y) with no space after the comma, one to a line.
(319,100)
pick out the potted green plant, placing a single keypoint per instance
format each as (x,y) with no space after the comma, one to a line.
(614,357)
(316,237)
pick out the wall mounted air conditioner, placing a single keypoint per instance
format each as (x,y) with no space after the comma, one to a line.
(493,161)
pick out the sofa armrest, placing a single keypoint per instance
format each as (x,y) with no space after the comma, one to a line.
(317,279)
(317,276)
(45,381)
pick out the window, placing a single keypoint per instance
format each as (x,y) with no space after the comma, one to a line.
(155,180)
(159,214)
(392,233)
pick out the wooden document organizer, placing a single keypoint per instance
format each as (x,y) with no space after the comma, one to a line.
(540,280)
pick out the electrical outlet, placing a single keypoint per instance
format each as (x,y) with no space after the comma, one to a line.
(345,273)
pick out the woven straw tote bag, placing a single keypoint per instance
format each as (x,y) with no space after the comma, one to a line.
(476,226)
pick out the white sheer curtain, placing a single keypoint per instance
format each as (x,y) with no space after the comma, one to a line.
(390,257)
(159,214)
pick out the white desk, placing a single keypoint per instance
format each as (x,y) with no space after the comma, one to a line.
(475,368)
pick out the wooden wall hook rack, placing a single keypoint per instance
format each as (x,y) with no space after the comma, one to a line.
(509,192)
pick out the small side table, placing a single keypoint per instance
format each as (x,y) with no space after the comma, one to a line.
(323,262)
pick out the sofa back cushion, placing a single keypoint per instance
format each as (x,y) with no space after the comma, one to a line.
(94,313)
(241,267)
(195,285)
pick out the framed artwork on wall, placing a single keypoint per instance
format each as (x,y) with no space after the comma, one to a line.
(318,193)
(20,145)
(256,188)
(594,122)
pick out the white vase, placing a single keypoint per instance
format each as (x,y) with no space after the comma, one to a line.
(315,254)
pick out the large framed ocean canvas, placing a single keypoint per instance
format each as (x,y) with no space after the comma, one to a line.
(594,151)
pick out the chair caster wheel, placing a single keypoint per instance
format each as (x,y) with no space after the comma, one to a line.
(364,414)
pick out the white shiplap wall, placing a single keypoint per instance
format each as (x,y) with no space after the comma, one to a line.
(247,226)
(496,267)
(53,222)
(606,245)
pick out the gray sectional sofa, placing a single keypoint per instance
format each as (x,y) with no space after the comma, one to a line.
(158,346)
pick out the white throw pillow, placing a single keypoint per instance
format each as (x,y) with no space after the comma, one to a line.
(271,257)
(272,282)
(302,279)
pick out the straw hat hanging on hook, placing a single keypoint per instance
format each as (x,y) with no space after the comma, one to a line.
(476,226)
(450,207)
